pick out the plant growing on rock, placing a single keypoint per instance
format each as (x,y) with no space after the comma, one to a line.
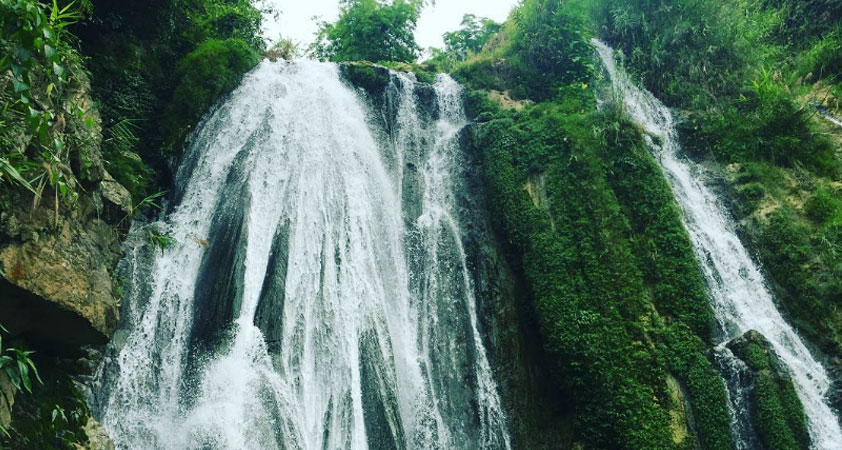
(36,67)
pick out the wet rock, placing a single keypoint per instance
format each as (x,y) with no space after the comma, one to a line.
(57,254)
(56,286)
(117,201)
(776,409)
(97,437)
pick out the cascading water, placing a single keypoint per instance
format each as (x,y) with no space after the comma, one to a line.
(824,112)
(313,299)
(741,299)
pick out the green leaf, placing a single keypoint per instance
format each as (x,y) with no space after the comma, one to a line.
(24,375)
(59,70)
(13,376)
(20,86)
(7,170)
(32,366)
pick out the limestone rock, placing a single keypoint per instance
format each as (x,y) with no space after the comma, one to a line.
(117,199)
(57,255)
(97,437)
(56,285)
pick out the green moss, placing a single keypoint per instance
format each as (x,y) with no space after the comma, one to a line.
(770,416)
(586,253)
(756,357)
(367,76)
(423,72)
(776,409)
(212,70)
(803,261)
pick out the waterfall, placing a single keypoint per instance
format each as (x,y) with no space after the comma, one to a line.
(740,297)
(317,295)
(824,112)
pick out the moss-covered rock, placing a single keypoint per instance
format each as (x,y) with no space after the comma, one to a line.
(210,71)
(590,223)
(777,411)
(367,76)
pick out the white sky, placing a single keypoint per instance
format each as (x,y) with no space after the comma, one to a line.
(296,18)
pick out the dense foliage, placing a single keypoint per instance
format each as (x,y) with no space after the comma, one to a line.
(370,30)
(204,74)
(469,40)
(748,76)
(36,66)
(745,76)
(148,60)
(611,272)
(52,417)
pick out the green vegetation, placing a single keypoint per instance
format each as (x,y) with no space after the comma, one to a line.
(157,67)
(475,33)
(204,74)
(131,48)
(542,50)
(746,76)
(37,65)
(612,274)
(370,30)
(741,74)
(53,417)
(18,366)
(779,415)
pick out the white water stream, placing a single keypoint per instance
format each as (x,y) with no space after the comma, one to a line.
(741,299)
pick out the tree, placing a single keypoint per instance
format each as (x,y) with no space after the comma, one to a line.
(370,30)
(471,38)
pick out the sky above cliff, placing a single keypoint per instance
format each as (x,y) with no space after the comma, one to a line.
(296,19)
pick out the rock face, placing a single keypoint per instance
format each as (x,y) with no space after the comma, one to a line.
(97,437)
(57,255)
(776,410)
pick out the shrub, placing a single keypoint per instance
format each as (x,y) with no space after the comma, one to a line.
(213,69)
(822,206)
(229,19)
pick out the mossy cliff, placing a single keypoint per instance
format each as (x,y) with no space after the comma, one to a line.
(775,407)
(609,273)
